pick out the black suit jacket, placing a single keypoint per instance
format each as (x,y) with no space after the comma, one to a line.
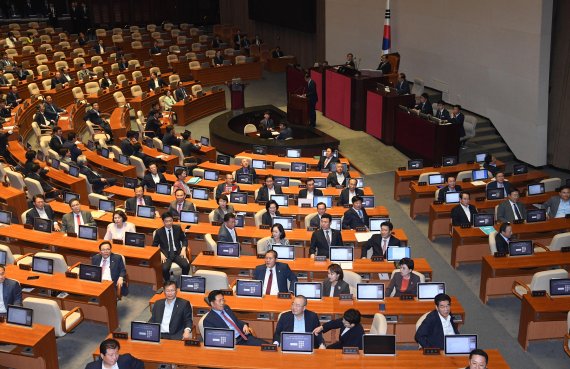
(458,216)
(250,170)
(161,83)
(501,243)
(340,288)
(126,361)
(170,139)
(286,323)
(312,92)
(11,99)
(180,93)
(117,268)
(459,119)
(127,147)
(303,193)
(56,143)
(352,338)
(52,112)
(351,219)
(430,332)
(131,204)
(41,119)
(283,272)
(285,134)
(153,125)
(506,185)
(443,114)
(106,82)
(148,182)
(321,163)
(344,198)
(179,239)
(263,194)
(375,243)
(385,67)
(315,221)
(444,190)
(94,117)
(155,50)
(319,243)
(213,320)
(403,87)
(332,180)
(181,317)
(94,178)
(188,148)
(425,108)
(266,218)
(33,213)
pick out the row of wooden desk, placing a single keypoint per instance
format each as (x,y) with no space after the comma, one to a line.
(35,347)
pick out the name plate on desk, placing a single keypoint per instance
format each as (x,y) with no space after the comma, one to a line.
(284,295)
(400,169)
(437,202)
(217,224)
(437,165)
(406,297)
(311,229)
(345,296)
(377,258)
(302,186)
(500,254)
(71,234)
(306,205)
(208,253)
(421,184)
(117,242)
(565,249)
(538,293)
(28,226)
(262,203)
(350,350)
(70,275)
(321,258)
(268,347)
(264,226)
(479,199)
(227,292)
(466,225)
(260,256)
(25,266)
(347,206)
(195,343)
(361,229)
(518,221)
(431,351)
(120,335)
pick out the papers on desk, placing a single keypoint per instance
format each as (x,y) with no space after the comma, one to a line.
(8,128)
(161,156)
(364,236)
(62,295)
(96,214)
(487,229)
(63,118)
(7,348)
(346,265)
(27,289)
(478,183)
(193,180)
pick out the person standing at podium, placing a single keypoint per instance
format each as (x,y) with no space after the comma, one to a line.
(384,65)
(312,100)
(350,61)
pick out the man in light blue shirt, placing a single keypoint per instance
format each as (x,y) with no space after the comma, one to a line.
(558,206)
(298,320)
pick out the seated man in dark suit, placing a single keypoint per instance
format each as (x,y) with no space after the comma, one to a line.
(40,117)
(173,314)
(5,111)
(227,232)
(57,80)
(56,142)
(266,124)
(155,82)
(500,182)
(511,209)
(13,98)
(451,187)
(139,199)
(277,53)
(218,59)
(299,316)
(227,186)
(437,324)
(274,275)
(188,147)
(425,105)
(41,210)
(11,292)
(490,163)
(180,204)
(379,242)
(403,86)
(327,160)
(99,47)
(247,169)
(152,177)
(169,138)
(356,216)
(112,266)
(153,124)
(173,244)
(127,143)
(138,152)
(180,93)
(110,358)
(94,116)
(285,132)
(441,112)
(385,66)
(325,237)
(70,222)
(52,111)
(338,177)
(36,173)
(72,146)
(106,81)
(221,316)
(503,237)
(316,220)
(463,212)
(155,49)
(350,61)
(97,181)
(265,192)
(348,193)
(458,118)
(310,191)
(351,331)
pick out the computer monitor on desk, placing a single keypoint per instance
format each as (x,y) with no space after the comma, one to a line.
(144,211)
(521,248)
(211,175)
(415,164)
(370,291)
(428,290)
(145,332)
(435,179)
(187,216)
(19,316)
(5,217)
(249,288)
(535,189)
(375,224)
(311,290)
(282,200)
(449,161)
(328,200)
(298,167)
(230,249)
(297,343)
(559,287)
(4,256)
(87,232)
(107,205)
(379,345)
(536,215)
(192,284)
(284,252)
(320,182)
(134,239)
(286,222)
(479,175)
(460,344)
(452,197)
(200,194)
(219,338)
(258,164)
(42,265)
(93,273)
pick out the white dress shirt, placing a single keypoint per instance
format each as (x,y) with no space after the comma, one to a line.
(232,233)
(446,324)
(106,276)
(155,178)
(274,286)
(467,212)
(168,308)
(75,221)
(2,305)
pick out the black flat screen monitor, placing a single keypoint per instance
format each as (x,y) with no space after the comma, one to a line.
(230,249)
(68,196)
(123,159)
(293,153)
(200,193)
(284,252)
(145,332)
(258,164)
(339,254)
(107,205)
(480,157)
(144,211)
(3,257)
(223,159)
(281,200)
(93,273)
(415,164)
(260,150)
(483,220)
(520,169)
(435,179)
(192,284)
(495,193)
(336,223)
(42,225)
(397,253)
(536,215)
(535,189)
(521,248)
(167,149)
(42,265)
(240,221)
(211,175)
(368,202)
(375,224)
(87,232)
(55,163)
(479,175)
(428,290)
(238,197)
(449,161)
(74,171)
(452,197)
(244,178)
(5,217)
(134,239)
(328,200)
(163,189)
(187,216)
(205,141)
(105,152)
(281,181)
(19,315)
(559,287)
(379,345)
(130,182)
(286,222)
(298,167)
(320,182)
(297,343)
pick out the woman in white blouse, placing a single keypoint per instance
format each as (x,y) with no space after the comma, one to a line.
(168,100)
(117,229)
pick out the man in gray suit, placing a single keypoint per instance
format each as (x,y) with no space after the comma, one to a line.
(227,231)
(70,222)
(558,206)
(180,203)
(10,292)
(173,314)
(511,209)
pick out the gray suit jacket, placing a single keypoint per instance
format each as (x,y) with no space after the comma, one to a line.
(551,205)
(173,208)
(224,235)
(505,211)
(68,221)
(219,214)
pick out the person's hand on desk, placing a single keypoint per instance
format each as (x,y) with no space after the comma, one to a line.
(56,227)
(156,214)
(322,346)
(187,334)
(318,330)
(312,256)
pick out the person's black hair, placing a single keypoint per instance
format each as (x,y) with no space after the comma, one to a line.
(357,198)
(337,269)
(169,128)
(387,224)
(352,316)
(109,343)
(457,106)
(479,352)
(281,230)
(407,262)
(38,196)
(179,172)
(55,129)
(229,216)
(440,102)
(503,227)
(169,283)
(212,295)
(269,176)
(186,135)
(271,202)
(71,136)
(464,193)
(35,167)
(273,252)
(513,189)
(321,203)
(121,214)
(105,243)
(441,297)
(166,214)
(31,155)
(326,216)
(221,197)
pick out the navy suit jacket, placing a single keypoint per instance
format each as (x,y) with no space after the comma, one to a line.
(345,195)
(263,194)
(312,92)
(375,243)
(506,185)
(213,320)
(12,292)
(303,193)
(126,361)
(319,243)
(443,115)
(181,316)
(131,204)
(501,243)
(459,119)
(351,219)
(286,323)
(117,267)
(284,273)
(403,87)
(425,108)
(33,213)
(430,332)
(352,338)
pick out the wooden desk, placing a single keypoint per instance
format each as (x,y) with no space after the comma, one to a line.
(471,244)
(225,73)
(279,64)
(142,263)
(440,214)
(310,161)
(423,196)
(245,357)
(401,314)
(66,181)
(498,274)
(108,167)
(403,178)
(542,318)
(97,300)
(40,338)
(13,200)
(200,107)
(308,265)
(169,160)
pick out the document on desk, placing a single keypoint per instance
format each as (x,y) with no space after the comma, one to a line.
(364,236)
(487,229)
(27,289)
(96,214)
(63,118)
(193,180)
(6,347)
(478,183)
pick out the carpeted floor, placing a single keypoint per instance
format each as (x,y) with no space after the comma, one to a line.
(495,323)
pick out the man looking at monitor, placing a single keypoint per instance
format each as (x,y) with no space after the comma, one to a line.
(503,237)
(270,188)
(95,179)
(558,206)
(298,320)
(247,169)
(326,160)
(379,242)
(310,191)
(274,275)
(221,316)
(437,324)
(41,210)
(463,213)
(478,359)
(348,193)
(356,216)
(316,220)
(10,292)
(112,266)
(176,206)
(325,237)
(451,187)
(511,209)
(70,222)
(173,244)
(173,314)
(109,357)
(500,182)
(227,232)
(187,146)
(285,131)
(227,186)
(139,199)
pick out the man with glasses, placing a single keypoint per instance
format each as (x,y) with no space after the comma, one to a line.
(558,206)
(112,266)
(298,320)
(173,314)
(511,209)
(70,222)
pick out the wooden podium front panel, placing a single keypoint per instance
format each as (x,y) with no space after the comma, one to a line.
(374,106)
(298,110)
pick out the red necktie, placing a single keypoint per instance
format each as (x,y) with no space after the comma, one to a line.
(78,219)
(269,282)
(384,245)
(179,207)
(233,324)
(141,201)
